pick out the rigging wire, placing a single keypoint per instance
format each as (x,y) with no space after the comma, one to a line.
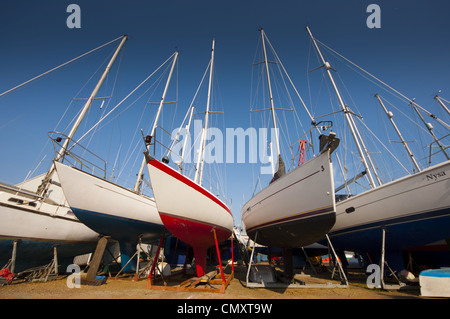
(105,108)
(124,99)
(382,85)
(385,84)
(59,66)
(70,105)
(387,149)
(132,149)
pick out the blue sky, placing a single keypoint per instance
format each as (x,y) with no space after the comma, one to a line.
(410,52)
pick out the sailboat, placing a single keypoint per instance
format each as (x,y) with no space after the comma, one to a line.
(188,210)
(124,214)
(297,208)
(413,210)
(36,216)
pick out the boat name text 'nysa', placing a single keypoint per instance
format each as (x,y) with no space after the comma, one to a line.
(434,177)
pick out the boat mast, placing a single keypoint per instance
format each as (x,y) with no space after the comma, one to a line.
(137,186)
(88,103)
(430,129)
(346,111)
(198,178)
(437,98)
(187,128)
(266,62)
(155,124)
(390,116)
(42,188)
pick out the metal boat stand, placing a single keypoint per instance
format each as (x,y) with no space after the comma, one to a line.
(383,263)
(43,273)
(379,279)
(265,277)
(139,271)
(214,281)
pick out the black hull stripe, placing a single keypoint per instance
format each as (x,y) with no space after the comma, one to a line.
(322,211)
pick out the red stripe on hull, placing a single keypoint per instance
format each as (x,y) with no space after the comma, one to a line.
(168,170)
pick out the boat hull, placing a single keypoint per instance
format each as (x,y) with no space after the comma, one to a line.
(189,211)
(296,210)
(38,225)
(414,209)
(435,283)
(183,228)
(110,209)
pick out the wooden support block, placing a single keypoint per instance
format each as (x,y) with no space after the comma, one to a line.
(207,277)
(96,259)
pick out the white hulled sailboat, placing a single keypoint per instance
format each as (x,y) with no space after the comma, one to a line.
(124,214)
(188,210)
(297,208)
(413,209)
(36,216)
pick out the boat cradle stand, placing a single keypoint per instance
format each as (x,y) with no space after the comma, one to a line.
(383,262)
(140,272)
(272,283)
(213,281)
(43,273)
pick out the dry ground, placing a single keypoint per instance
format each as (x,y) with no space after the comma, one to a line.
(127,289)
